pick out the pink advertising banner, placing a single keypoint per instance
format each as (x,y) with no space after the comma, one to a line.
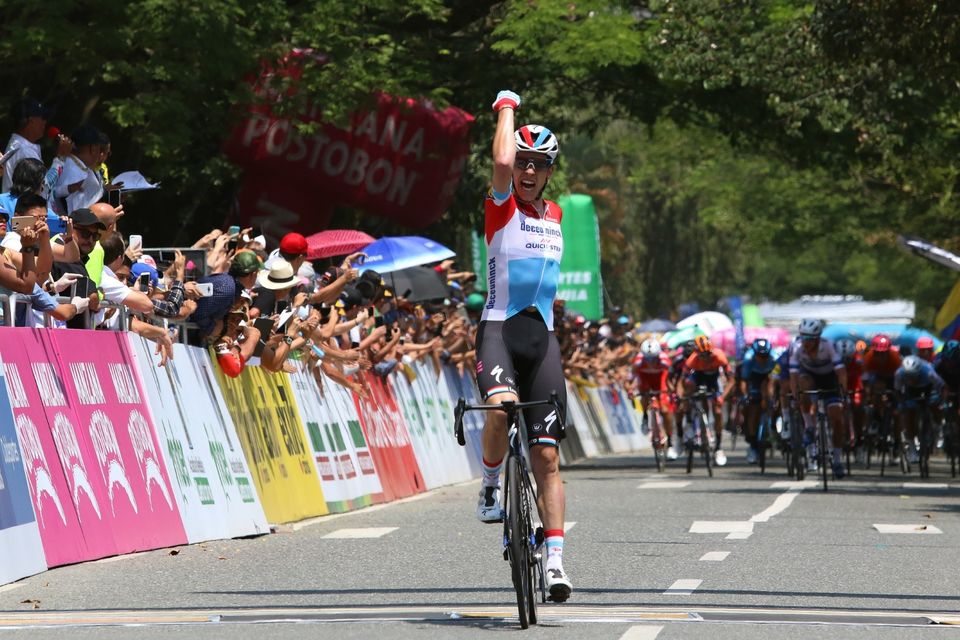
(63,498)
(136,503)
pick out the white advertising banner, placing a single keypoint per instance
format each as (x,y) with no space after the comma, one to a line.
(202,453)
(338,447)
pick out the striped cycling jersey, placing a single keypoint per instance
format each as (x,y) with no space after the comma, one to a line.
(523,257)
(823,361)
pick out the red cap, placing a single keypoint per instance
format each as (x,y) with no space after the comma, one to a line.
(880,343)
(293,244)
(925,342)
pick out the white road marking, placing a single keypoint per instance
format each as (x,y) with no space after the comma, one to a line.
(568,525)
(779,505)
(794,484)
(11,587)
(683,587)
(739,535)
(297,526)
(925,485)
(721,526)
(365,532)
(641,632)
(907,528)
(714,556)
(676,484)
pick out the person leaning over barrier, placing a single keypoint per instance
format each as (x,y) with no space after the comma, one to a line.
(28,180)
(227,287)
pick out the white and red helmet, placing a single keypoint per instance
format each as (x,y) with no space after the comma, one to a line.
(535,138)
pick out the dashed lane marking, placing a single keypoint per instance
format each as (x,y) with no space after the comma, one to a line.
(794,484)
(907,528)
(714,556)
(568,525)
(642,632)
(683,587)
(721,526)
(361,532)
(779,505)
(664,484)
(739,535)
(925,485)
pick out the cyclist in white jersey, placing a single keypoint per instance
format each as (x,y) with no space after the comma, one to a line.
(814,364)
(518,357)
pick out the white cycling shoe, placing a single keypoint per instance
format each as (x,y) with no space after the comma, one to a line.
(488,506)
(671,453)
(558,584)
(720,458)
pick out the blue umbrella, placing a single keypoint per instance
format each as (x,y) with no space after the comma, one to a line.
(401,252)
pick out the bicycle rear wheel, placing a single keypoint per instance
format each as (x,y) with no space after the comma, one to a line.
(926,444)
(799,451)
(823,454)
(656,437)
(705,446)
(518,546)
(762,443)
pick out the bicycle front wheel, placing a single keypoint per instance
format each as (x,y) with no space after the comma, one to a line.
(518,547)
(824,454)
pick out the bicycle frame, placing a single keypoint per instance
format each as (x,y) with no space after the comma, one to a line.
(522,540)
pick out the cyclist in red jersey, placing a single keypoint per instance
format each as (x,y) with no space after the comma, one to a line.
(925,348)
(650,370)
(704,368)
(880,364)
(846,348)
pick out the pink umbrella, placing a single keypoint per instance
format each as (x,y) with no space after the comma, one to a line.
(336,242)
(726,339)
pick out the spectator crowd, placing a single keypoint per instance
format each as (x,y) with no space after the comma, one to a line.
(68,261)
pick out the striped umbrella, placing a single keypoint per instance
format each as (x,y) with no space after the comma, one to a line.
(336,242)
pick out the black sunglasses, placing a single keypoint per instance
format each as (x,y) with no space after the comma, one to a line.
(538,165)
(88,234)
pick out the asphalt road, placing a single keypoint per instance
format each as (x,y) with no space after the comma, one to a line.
(651,555)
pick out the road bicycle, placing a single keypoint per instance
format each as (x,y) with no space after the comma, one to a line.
(926,434)
(764,427)
(823,436)
(522,537)
(653,423)
(883,436)
(701,417)
(951,435)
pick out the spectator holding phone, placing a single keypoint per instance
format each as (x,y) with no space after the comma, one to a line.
(273,290)
(28,181)
(227,287)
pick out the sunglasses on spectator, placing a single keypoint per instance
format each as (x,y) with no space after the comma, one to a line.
(538,165)
(89,234)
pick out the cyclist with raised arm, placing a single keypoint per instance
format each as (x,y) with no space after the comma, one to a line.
(518,357)
(704,368)
(758,364)
(814,365)
(650,370)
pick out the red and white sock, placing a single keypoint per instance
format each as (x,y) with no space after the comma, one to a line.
(491,472)
(553,538)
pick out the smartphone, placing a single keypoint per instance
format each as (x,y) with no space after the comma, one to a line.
(18,223)
(136,242)
(143,282)
(233,230)
(324,313)
(379,321)
(115,197)
(282,305)
(205,288)
(265,326)
(57,224)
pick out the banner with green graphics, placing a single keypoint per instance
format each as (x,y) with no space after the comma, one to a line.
(580,283)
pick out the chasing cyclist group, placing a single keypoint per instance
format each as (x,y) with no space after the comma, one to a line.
(875,397)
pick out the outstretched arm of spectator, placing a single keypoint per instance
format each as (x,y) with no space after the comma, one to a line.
(156,334)
(337,376)
(68,251)
(19,271)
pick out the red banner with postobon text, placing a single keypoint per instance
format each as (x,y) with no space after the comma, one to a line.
(389,441)
(401,160)
(124,466)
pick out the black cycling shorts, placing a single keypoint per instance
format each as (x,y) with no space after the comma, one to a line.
(521,356)
(827,382)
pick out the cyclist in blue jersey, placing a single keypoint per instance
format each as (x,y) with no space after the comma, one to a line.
(758,364)
(518,357)
(915,381)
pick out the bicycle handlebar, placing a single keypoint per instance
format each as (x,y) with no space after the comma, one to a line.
(509,406)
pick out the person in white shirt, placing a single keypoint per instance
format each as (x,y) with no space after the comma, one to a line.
(80,184)
(31,121)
